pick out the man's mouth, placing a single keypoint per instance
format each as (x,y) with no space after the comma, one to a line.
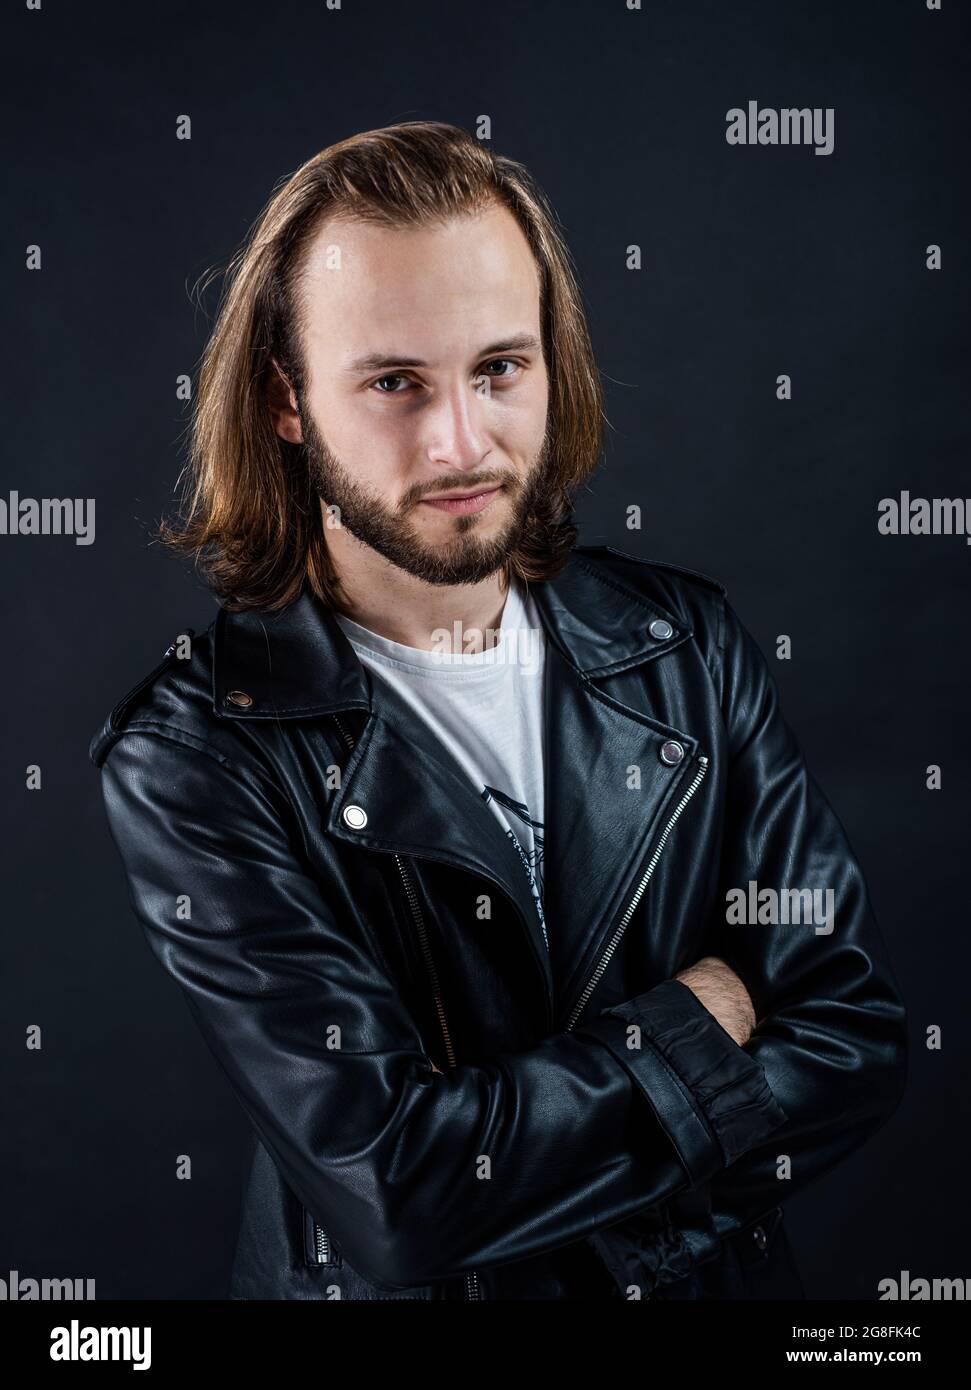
(462,503)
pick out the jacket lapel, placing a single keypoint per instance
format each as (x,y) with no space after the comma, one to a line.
(419,801)
(599,829)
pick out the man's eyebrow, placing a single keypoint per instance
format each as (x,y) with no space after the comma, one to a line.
(382,362)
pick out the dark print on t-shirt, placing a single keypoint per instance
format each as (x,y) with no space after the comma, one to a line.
(532,861)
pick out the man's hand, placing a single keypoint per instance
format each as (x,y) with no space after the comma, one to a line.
(723,994)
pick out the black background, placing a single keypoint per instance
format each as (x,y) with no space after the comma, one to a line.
(756,262)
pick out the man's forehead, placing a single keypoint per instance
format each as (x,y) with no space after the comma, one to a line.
(344,228)
(433,290)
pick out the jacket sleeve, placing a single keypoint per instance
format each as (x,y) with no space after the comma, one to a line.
(831,1034)
(419,1176)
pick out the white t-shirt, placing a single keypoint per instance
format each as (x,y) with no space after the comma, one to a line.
(487,709)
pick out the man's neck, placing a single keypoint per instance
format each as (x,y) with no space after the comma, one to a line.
(397,605)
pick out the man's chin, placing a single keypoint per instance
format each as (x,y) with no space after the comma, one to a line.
(435,568)
(459,560)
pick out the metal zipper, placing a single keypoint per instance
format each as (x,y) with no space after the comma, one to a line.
(429,960)
(472,1289)
(648,872)
(318,1246)
(322,1244)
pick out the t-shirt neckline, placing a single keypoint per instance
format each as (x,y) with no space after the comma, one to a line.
(441,662)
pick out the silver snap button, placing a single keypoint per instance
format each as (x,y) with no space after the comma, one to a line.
(671,753)
(239,697)
(355,817)
(758,1235)
(661,630)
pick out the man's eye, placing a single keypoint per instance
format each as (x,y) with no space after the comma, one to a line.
(389,378)
(502,362)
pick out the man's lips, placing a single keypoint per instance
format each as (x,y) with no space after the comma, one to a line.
(463,503)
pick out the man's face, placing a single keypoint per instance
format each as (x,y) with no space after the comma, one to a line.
(425,376)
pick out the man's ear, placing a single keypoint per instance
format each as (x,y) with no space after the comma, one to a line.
(281,401)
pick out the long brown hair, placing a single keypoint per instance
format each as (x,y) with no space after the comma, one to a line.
(250,518)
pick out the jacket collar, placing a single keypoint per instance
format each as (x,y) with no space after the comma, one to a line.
(297,662)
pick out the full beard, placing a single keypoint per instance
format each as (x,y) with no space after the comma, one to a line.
(464,558)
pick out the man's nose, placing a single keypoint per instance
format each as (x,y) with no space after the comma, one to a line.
(457,433)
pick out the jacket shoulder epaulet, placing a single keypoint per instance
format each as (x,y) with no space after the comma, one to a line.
(102,742)
(696,575)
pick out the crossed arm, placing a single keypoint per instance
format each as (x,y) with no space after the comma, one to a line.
(831,1032)
(721,991)
(580,1131)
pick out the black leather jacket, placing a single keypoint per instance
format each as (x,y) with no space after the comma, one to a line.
(341,909)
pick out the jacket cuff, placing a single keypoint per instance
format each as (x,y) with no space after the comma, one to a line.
(709,1095)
